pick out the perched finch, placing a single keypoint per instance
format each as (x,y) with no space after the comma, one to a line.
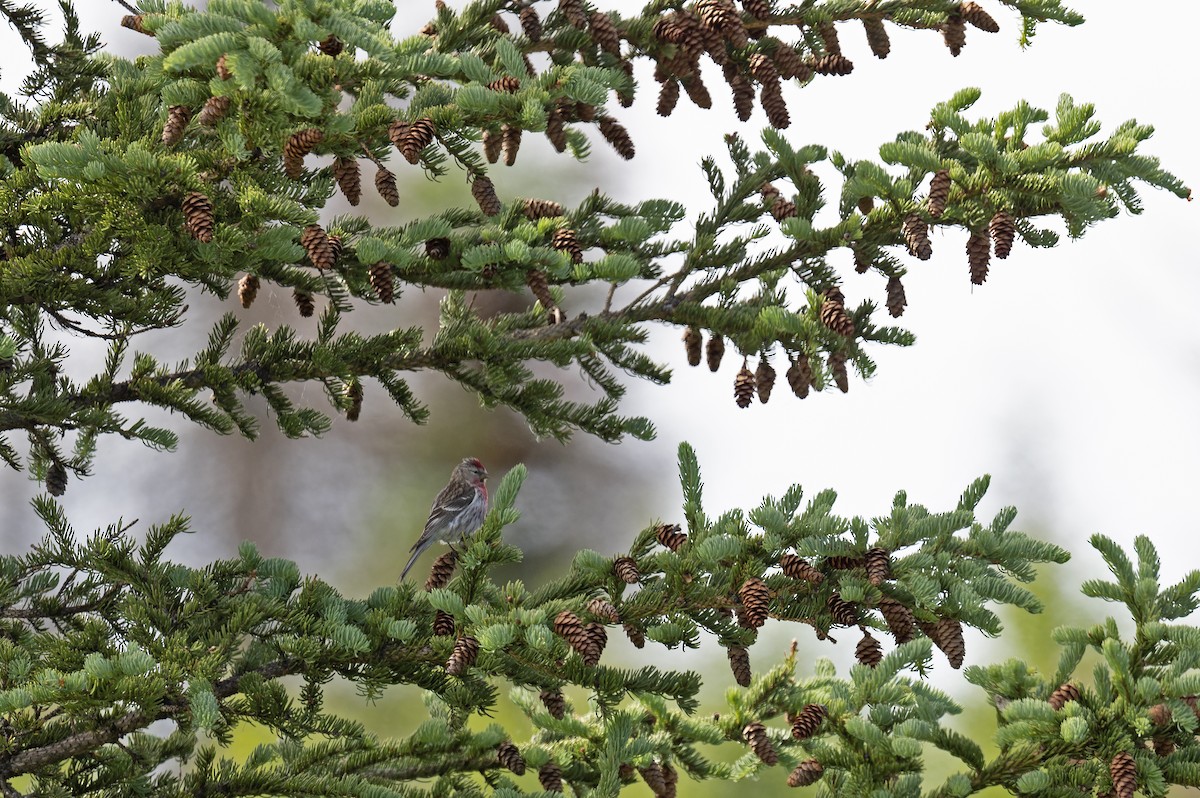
(457,511)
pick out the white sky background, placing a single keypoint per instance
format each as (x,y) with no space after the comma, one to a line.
(1071,375)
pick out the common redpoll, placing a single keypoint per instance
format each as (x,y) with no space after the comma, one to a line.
(458,509)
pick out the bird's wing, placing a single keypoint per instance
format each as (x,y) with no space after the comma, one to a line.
(452,501)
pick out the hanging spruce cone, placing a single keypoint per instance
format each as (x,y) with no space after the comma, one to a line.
(555,130)
(550,777)
(178,117)
(1159,714)
(597,639)
(493,143)
(697,91)
(755,735)
(335,246)
(441,571)
(626,569)
(833,64)
(916,236)
(783,209)
(879,565)
(418,136)
(466,649)
(223,69)
(743,387)
(485,195)
(899,619)
(316,244)
(807,772)
(385,184)
(296,147)
(568,626)
(497,22)
(974,13)
(56,479)
(842,611)
(789,64)
(331,46)
(554,703)
(979,252)
(1003,229)
(896,299)
(829,37)
(868,651)
(617,136)
(742,90)
(574,13)
(764,379)
(668,97)
(808,720)
(834,316)
(756,602)
(1062,694)
(396,131)
(539,286)
(653,775)
(948,636)
(605,33)
(542,209)
(198,218)
(354,397)
(773,104)
(510,757)
(739,663)
(845,562)
(954,34)
(304,302)
(763,69)
(939,192)
(670,536)
(383,281)
(693,344)
(437,248)
(799,376)
(564,240)
(759,9)
(348,177)
(136,22)
(506,85)
(799,568)
(1123,769)
(604,610)
(635,635)
(877,37)
(214,111)
(714,351)
(510,138)
(531,23)
(247,290)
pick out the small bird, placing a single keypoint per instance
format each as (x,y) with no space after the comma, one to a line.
(458,509)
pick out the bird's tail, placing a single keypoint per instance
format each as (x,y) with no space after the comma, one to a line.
(416,552)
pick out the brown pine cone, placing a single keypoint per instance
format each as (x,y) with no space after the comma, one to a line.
(466,649)
(868,651)
(348,177)
(56,479)
(604,33)
(335,246)
(916,236)
(899,619)
(498,24)
(542,209)
(878,565)
(714,350)
(799,375)
(743,387)
(510,757)
(506,84)
(617,136)
(954,33)
(834,316)
(764,379)
(1123,770)
(568,626)
(493,143)
(896,298)
(564,240)
(742,90)
(296,147)
(693,344)
(974,13)
(799,568)
(1159,714)
(484,193)
(383,280)
(635,635)
(531,23)
(554,703)
(223,69)
(555,130)
(198,218)
(877,37)
(574,13)
(597,640)
(510,137)
(441,571)
(604,610)
(416,138)
(790,65)
(763,69)
(385,184)
(670,536)
(697,92)
(437,248)
(316,244)
(247,289)
(783,209)
(550,777)
(755,735)
(808,720)
(539,286)
(178,117)
(939,192)
(354,395)
(668,97)
(136,22)
(626,570)
(213,111)
(979,252)
(331,46)
(1062,694)
(304,302)
(1003,230)
(807,772)
(739,663)
(833,64)
(842,611)
(829,37)
(759,9)
(948,636)
(773,104)
(845,562)
(653,775)
(443,624)
(756,602)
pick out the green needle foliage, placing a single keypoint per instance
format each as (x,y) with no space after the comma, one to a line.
(204,164)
